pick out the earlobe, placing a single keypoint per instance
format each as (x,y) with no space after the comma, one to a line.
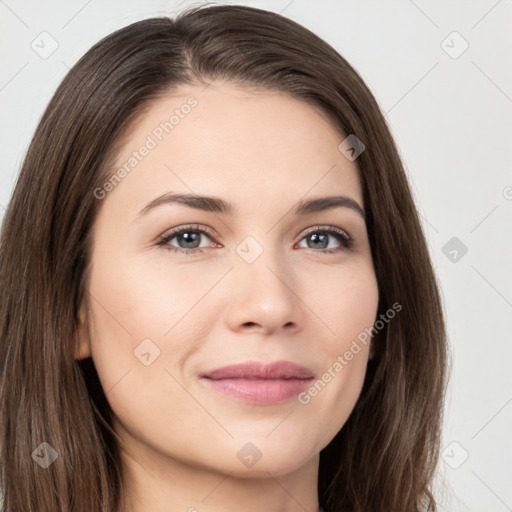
(371,353)
(83,343)
(84,350)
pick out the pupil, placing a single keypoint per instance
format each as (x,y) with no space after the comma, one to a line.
(316,237)
(190,238)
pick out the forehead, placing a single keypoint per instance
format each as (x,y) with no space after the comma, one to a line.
(228,140)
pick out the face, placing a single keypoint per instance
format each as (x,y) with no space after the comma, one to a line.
(189,287)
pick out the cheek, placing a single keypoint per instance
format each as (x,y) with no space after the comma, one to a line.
(353,309)
(348,307)
(139,298)
(344,299)
(143,330)
(143,319)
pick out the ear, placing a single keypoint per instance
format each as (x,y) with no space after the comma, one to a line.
(371,353)
(83,338)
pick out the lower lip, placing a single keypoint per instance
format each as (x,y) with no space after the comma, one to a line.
(264,391)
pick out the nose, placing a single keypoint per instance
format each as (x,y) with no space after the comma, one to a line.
(263,296)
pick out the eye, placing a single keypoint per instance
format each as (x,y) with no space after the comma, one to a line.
(318,238)
(188,239)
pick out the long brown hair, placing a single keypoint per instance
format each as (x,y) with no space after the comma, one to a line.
(384,457)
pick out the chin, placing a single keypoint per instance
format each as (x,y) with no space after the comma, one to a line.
(257,460)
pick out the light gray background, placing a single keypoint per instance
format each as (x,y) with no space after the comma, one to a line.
(451,115)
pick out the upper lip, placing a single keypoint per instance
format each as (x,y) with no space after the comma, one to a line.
(258,370)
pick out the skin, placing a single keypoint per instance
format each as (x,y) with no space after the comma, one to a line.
(262,151)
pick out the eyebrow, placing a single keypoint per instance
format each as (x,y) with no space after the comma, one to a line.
(217,205)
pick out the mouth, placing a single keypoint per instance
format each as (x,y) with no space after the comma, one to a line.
(260,383)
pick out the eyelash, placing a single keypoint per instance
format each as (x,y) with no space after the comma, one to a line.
(339,234)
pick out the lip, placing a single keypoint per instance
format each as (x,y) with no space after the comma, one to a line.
(260,383)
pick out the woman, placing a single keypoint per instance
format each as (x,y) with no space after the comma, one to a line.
(216,289)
